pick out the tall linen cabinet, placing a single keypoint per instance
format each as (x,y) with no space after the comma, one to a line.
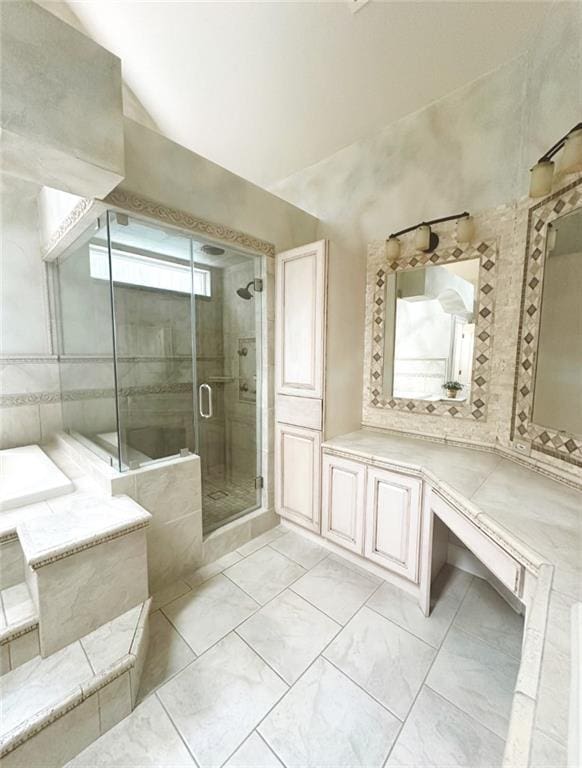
(300,331)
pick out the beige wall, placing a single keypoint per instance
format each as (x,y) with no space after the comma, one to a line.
(161,170)
(61,107)
(471,150)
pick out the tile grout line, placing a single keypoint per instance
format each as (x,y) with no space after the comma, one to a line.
(268,746)
(305,671)
(279,675)
(467,714)
(259,607)
(359,685)
(404,629)
(421,686)
(175,727)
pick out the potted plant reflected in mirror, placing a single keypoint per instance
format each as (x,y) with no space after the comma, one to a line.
(453,388)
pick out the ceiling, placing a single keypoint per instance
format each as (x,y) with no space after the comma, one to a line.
(267,88)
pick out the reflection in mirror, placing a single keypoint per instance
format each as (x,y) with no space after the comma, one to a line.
(430,327)
(558,378)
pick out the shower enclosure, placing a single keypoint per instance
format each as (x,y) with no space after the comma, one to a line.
(160,354)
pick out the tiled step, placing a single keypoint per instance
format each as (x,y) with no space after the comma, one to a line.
(27,475)
(18,627)
(54,707)
(74,553)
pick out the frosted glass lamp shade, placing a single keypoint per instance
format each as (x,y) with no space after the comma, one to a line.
(393,248)
(465,229)
(422,238)
(572,152)
(540,182)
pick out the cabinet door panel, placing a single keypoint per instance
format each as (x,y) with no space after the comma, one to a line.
(300,321)
(393,513)
(298,475)
(343,502)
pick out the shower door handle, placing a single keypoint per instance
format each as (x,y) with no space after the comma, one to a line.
(208,388)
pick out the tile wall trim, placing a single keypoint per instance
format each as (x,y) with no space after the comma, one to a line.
(40,398)
(175,217)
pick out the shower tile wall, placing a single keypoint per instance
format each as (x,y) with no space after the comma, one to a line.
(240,322)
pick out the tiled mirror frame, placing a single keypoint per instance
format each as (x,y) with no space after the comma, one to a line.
(449,252)
(558,444)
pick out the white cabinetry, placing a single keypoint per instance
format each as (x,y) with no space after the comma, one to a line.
(374,513)
(300,381)
(344,483)
(300,321)
(298,475)
(393,514)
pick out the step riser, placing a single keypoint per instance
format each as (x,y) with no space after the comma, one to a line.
(19,650)
(61,732)
(82,591)
(11,563)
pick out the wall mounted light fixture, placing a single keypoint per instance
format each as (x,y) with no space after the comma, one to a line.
(542,173)
(425,239)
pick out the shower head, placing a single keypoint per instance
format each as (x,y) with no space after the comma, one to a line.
(212,250)
(244,293)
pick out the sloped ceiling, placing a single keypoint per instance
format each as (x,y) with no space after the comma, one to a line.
(267,88)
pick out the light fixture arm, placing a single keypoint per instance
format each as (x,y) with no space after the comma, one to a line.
(432,221)
(558,145)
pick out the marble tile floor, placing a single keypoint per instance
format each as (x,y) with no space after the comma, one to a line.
(283,654)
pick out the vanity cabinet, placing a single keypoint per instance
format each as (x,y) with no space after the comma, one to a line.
(393,516)
(374,513)
(298,475)
(343,499)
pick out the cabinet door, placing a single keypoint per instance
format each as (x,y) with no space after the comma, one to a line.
(300,321)
(343,484)
(298,475)
(393,513)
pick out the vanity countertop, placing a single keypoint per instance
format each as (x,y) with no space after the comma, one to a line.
(535,515)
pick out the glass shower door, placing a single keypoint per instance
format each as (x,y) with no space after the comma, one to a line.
(227,351)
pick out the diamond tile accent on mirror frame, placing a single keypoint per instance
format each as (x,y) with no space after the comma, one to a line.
(476,407)
(560,445)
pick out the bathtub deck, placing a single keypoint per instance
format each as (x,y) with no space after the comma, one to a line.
(27,476)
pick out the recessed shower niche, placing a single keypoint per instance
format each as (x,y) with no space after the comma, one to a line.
(152,327)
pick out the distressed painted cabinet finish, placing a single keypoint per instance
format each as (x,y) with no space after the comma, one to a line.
(300,321)
(393,516)
(298,475)
(343,489)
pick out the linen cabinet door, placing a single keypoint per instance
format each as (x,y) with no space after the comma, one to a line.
(343,486)
(393,514)
(298,475)
(300,320)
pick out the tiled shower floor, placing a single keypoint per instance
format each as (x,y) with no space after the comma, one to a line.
(224,500)
(292,656)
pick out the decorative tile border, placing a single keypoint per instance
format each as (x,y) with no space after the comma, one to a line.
(67,224)
(486,252)
(561,445)
(177,218)
(40,398)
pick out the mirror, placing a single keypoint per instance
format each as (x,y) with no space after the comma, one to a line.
(430,331)
(558,375)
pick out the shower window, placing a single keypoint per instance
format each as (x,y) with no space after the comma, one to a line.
(148,272)
(161,354)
